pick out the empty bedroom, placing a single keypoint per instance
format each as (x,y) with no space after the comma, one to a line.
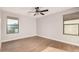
(39,29)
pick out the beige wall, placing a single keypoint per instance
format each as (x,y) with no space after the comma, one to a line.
(27,27)
(51,27)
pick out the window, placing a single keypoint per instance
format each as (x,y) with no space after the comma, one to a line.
(12,25)
(71,27)
(71,24)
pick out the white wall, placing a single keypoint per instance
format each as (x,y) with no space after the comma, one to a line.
(51,27)
(0,29)
(27,27)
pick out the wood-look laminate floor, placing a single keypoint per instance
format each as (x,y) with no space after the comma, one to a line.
(36,44)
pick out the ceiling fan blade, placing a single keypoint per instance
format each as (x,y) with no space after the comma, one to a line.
(41,13)
(44,10)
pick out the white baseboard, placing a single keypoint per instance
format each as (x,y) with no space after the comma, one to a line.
(43,37)
(60,40)
(17,38)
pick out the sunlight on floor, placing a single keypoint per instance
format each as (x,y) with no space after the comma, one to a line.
(51,49)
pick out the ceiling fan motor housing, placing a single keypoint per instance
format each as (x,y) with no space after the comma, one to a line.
(38,11)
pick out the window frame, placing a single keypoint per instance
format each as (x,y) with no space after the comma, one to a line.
(71,16)
(14,18)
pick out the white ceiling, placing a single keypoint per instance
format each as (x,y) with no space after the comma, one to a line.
(25,10)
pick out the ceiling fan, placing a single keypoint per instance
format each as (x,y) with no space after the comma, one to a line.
(38,11)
